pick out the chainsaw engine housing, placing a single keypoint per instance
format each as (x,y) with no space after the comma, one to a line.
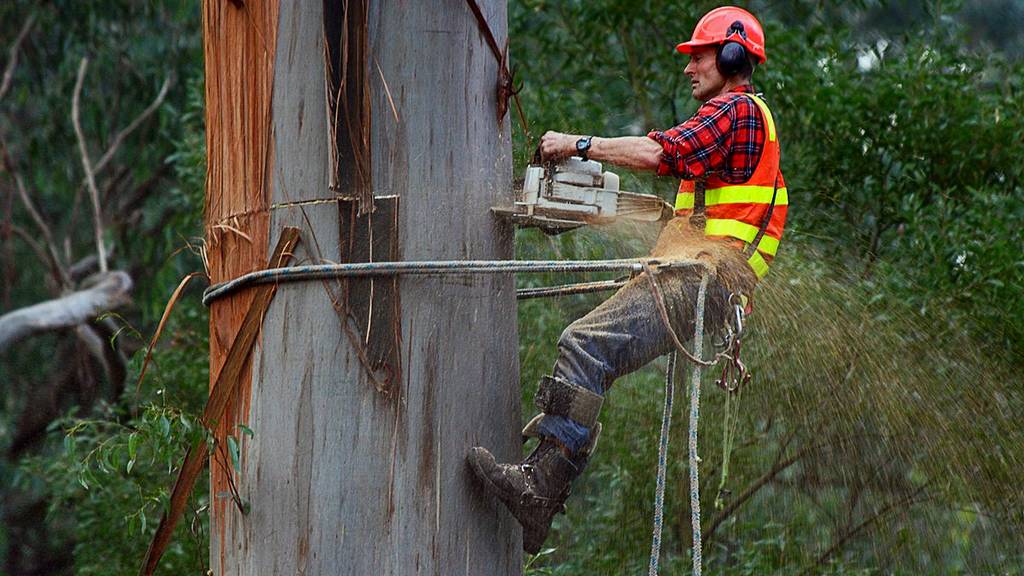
(576,192)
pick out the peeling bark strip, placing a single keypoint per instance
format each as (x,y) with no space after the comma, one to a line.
(76,308)
(368,310)
(372,305)
(225,389)
(348,100)
(239,47)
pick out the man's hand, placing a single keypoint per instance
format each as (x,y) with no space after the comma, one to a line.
(556,145)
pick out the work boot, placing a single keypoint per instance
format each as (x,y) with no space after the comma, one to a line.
(533,490)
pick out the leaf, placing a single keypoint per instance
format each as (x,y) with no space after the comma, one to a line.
(133,442)
(165,426)
(246,430)
(234,452)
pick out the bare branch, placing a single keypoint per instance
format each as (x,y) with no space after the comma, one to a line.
(132,126)
(71,310)
(36,247)
(12,55)
(83,267)
(750,491)
(110,357)
(907,501)
(58,269)
(96,348)
(90,177)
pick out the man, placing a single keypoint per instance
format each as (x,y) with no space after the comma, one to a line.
(729,214)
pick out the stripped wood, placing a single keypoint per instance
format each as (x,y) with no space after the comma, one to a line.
(225,388)
(239,50)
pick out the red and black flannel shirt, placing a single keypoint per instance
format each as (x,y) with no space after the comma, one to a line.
(724,137)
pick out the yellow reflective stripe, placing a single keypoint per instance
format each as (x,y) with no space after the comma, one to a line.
(684,200)
(745,195)
(768,245)
(734,195)
(767,115)
(757,262)
(743,231)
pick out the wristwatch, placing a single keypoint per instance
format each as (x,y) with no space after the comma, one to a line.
(583,147)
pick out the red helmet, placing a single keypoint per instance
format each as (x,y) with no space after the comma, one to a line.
(716,27)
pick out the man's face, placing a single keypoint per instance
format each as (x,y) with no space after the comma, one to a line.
(706,81)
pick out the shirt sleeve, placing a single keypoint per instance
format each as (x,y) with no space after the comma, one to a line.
(702,145)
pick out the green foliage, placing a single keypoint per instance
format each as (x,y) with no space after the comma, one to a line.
(101,472)
(108,484)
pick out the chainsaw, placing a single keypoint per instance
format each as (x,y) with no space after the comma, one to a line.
(558,197)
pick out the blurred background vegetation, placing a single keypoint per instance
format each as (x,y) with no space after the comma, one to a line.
(882,433)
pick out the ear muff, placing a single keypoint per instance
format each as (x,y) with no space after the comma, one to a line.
(732,55)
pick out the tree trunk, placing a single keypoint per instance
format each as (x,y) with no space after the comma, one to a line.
(364,398)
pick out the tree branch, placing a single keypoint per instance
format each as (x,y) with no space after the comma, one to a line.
(43,401)
(116,362)
(31,242)
(909,500)
(132,126)
(90,177)
(750,490)
(8,165)
(71,310)
(12,55)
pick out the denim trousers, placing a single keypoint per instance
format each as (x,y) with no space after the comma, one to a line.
(625,333)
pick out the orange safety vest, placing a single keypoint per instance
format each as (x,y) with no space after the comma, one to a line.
(752,213)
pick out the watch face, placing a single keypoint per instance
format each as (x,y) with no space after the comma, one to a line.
(583,144)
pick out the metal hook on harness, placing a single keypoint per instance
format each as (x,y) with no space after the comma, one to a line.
(734,372)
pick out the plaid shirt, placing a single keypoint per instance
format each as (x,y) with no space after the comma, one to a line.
(725,136)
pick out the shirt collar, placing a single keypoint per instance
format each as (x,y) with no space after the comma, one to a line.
(744,88)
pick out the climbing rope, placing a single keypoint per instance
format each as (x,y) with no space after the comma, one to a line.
(698,348)
(370,269)
(730,422)
(666,424)
(659,490)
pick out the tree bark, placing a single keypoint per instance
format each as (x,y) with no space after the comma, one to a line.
(364,405)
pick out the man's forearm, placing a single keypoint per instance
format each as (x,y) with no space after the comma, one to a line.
(636,152)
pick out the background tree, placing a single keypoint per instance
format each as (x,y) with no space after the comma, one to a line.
(93,135)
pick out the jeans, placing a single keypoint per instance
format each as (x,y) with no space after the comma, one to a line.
(625,333)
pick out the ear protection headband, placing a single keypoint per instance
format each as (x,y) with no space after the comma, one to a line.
(732,55)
